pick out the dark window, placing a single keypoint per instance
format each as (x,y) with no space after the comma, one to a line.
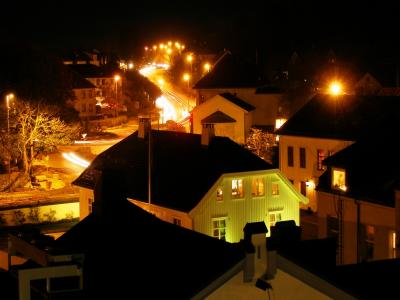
(290,156)
(177,221)
(302,157)
(321,157)
(303,188)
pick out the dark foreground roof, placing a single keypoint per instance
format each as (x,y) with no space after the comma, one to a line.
(129,253)
(183,170)
(132,253)
(346,117)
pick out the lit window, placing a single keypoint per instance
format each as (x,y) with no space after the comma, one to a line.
(320,157)
(339,179)
(274,216)
(392,244)
(90,205)
(176,221)
(275,188)
(237,188)
(220,195)
(303,188)
(219,228)
(257,187)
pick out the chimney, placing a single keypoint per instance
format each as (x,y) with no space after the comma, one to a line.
(144,127)
(255,248)
(207,133)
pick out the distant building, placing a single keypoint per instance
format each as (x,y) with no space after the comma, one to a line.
(231,116)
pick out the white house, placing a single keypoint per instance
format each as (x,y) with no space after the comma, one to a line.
(201,182)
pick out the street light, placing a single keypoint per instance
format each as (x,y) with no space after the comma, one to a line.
(207,67)
(186,77)
(189,58)
(8,99)
(116,79)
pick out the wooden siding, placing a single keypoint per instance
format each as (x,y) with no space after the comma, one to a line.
(238,212)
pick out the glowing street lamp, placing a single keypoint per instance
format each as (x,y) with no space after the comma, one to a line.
(189,58)
(116,79)
(186,77)
(207,67)
(8,99)
(335,88)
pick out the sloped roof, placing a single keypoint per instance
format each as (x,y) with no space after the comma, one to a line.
(218,117)
(371,170)
(237,101)
(230,71)
(79,82)
(128,251)
(92,71)
(346,117)
(183,170)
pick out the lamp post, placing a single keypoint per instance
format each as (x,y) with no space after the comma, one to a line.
(8,99)
(116,79)
(189,58)
(186,77)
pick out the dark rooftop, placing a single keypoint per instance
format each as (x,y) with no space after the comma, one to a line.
(230,71)
(218,117)
(239,102)
(183,170)
(131,252)
(346,117)
(92,71)
(382,162)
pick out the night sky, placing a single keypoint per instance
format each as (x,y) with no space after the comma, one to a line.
(275,26)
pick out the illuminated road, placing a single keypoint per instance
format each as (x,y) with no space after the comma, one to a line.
(174,104)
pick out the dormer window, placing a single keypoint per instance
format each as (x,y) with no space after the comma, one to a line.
(339,179)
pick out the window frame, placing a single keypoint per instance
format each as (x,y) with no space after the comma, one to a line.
(219,229)
(257,180)
(240,196)
(275,192)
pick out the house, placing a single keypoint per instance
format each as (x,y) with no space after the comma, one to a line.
(358,201)
(202,182)
(231,116)
(108,86)
(379,79)
(85,97)
(326,125)
(264,106)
